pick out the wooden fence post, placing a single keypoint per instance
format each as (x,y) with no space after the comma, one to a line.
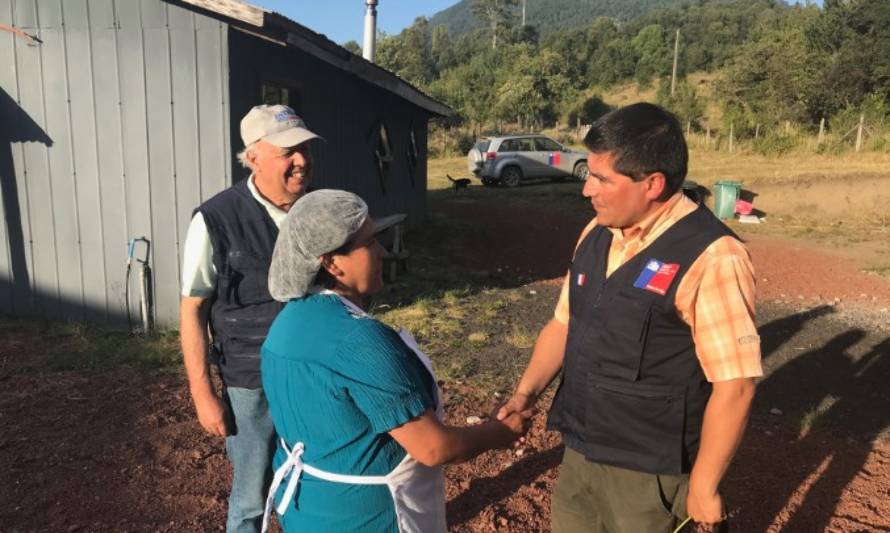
(859,132)
(757,132)
(821,130)
(731,135)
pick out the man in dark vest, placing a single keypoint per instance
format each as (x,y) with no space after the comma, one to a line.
(226,260)
(654,339)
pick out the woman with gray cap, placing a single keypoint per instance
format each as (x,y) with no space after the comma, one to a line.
(354,402)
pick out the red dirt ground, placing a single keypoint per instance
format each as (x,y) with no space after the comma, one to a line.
(120,451)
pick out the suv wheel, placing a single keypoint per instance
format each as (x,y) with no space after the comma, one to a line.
(511,176)
(580,171)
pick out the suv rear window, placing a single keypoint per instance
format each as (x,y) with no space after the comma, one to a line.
(482,144)
(547,145)
(509,145)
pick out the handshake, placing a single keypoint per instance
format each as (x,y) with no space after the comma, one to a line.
(514,418)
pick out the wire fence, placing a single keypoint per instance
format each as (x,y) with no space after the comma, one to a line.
(768,139)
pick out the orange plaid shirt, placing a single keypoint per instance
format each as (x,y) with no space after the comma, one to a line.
(715,297)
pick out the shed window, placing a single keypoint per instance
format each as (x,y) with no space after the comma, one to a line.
(382,153)
(384,149)
(276,95)
(413,154)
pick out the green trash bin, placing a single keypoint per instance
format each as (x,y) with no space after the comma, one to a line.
(726,193)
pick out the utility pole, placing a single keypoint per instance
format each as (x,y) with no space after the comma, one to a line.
(494,26)
(674,72)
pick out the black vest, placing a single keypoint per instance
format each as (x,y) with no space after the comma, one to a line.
(632,392)
(243,236)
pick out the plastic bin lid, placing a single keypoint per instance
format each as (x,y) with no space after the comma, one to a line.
(730,183)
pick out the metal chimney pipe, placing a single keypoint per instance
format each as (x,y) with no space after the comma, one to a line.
(370,44)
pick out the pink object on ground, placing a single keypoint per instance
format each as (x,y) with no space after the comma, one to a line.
(743,208)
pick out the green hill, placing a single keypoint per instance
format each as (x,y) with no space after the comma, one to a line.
(553,15)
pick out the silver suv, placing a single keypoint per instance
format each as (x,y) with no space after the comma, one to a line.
(511,159)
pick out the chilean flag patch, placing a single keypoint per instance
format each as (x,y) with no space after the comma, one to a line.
(553,159)
(581,279)
(657,276)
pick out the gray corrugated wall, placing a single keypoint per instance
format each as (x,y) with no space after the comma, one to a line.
(129,99)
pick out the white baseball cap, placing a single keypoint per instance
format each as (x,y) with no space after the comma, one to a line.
(274,124)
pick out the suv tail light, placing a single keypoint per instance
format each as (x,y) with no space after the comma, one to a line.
(490,156)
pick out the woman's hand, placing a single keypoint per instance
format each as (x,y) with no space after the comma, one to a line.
(516,425)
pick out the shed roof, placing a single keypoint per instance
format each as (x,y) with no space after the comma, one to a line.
(283,30)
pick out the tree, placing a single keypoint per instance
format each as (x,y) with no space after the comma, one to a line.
(534,87)
(499,14)
(442,49)
(685,103)
(775,76)
(653,53)
(353,47)
(409,54)
(468,88)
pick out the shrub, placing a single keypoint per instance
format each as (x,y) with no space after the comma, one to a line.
(775,144)
(587,108)
(465,141)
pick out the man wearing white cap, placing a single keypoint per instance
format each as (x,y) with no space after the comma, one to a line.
(226,260)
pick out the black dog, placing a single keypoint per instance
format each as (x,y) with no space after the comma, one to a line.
(459,183)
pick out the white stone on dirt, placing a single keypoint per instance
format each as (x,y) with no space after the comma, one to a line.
(474,420)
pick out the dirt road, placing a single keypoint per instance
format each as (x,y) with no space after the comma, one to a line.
(120,451)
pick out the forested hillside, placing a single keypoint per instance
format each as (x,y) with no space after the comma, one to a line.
(770,63)
(552,15)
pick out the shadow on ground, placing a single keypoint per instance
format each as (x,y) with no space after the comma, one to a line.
(819,409)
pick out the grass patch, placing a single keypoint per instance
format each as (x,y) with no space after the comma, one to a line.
(36,345)
(539,194)
(478,338)
(812,416)
(521,337)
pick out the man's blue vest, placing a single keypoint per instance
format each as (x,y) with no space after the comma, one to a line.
(632,392)
(243,236)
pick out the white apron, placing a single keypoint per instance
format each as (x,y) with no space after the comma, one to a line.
(418,491)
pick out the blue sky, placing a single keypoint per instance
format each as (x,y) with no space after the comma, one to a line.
(343,20)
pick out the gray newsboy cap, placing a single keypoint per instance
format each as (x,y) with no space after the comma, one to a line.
(318,223)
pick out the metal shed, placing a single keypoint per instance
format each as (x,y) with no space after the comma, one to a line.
(119,117)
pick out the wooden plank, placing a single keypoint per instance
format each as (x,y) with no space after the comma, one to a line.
(55,237)
(212,120)
(85,157)
(129,16)
(186,127)
(8,186)
(179,18)
(161,142)
(25,14)
(232,8)
(112,190)
(49,14)
(101,14)
(134,129)
(153,14)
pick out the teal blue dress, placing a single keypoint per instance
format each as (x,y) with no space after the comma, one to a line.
(338,383)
